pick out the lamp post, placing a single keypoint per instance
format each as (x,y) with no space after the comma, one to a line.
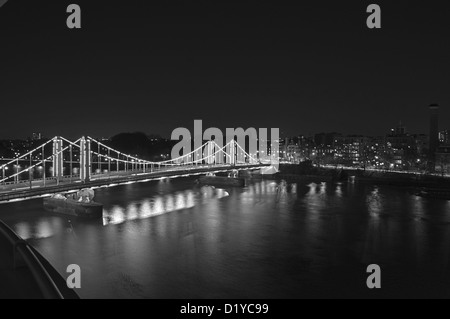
(71,162)
(109,163)
(99,159)
(3,173)
(30,172)
(17,172)
(43,164)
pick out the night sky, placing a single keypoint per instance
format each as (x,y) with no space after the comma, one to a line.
(142,66)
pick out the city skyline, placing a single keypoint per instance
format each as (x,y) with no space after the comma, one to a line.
(152,68)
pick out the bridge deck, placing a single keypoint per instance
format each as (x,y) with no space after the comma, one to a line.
(13,192)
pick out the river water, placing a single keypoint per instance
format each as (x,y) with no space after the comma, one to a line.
(175,239)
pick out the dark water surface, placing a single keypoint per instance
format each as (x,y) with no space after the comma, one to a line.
(173,239)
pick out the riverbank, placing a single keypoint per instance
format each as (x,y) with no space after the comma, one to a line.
(402,179)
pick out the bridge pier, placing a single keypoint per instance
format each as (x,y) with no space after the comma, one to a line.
(85,160)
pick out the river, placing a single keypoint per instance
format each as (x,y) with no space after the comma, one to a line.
(175,239)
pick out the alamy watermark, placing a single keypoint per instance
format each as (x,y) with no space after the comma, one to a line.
(374,279)
(74,279)
(251,145)
(74,19)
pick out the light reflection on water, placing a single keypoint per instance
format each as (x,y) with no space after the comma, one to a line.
(42,228)
(160,204)
(173,239)
(374,203)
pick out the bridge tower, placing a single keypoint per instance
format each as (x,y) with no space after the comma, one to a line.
(231,151)
(209,151)
(58,159)
(85,159)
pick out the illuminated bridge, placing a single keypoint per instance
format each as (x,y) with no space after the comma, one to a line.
(61,165)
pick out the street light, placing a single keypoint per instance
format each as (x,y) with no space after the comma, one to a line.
(4,168)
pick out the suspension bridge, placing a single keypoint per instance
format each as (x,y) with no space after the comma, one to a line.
(61,165)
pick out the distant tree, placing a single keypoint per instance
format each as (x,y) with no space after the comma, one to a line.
(131,143)
(143,146)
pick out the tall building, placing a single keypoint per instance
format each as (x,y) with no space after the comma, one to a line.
(37,136)
(434,133)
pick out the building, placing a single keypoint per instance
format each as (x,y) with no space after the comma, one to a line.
(434,132)
(399,139)
(295,149)
(442,164)
(326,140)
(442,158)
(421,143)
(36,136)
(444,137)
(350,149)
(292,153)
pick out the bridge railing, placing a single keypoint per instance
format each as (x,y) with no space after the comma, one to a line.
(24,253)
(24,181)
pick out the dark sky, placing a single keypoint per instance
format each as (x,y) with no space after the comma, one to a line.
(142,66)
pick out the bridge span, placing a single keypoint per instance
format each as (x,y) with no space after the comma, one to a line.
(73,165)
(12,192)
